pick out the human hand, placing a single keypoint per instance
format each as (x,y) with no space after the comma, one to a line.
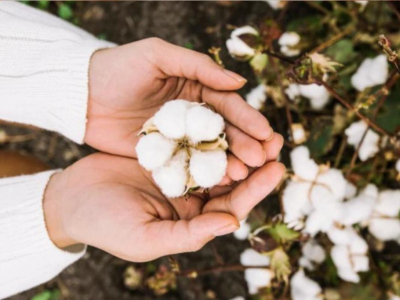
(128,84)
(112,203)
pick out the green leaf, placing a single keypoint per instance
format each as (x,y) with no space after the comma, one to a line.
(282,234)
(342,51)
(189,45)
(259,62)
(65,11)
(388,118)
(321,136)
(43,4)
(47,295)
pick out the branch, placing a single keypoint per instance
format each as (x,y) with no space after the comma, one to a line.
(352,109)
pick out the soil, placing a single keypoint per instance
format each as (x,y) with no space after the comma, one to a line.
(197,25)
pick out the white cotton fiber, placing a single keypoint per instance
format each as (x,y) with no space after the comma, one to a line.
(172,177)
(208,167)
(202,124)
(171,118)
(303,288)
(154,150)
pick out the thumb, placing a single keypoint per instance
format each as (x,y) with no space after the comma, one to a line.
(172,237)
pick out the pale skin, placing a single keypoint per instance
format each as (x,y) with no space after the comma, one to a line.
(109,201)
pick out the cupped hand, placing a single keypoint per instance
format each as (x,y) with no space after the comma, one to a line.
(128,84)
(112,203)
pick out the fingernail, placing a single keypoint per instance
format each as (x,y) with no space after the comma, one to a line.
(271,135)
(226,230)
(234,75)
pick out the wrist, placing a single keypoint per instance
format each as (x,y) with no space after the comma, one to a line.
(53,213)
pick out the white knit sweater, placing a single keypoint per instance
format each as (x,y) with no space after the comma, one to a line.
(44,64)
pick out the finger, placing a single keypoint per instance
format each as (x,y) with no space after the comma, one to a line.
(248,193)
(236,169)
(273,147)
(247,149)
(234,109)
(177,61)
(225,181)
(172,237)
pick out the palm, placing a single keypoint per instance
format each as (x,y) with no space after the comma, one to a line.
(117,207)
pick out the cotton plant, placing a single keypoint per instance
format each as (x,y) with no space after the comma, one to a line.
(304,288)
(184,147)
(257,97)
(318,95)
(288,42)
(371,72)
(256,278)
(313,254)
(370,144)
(349,253)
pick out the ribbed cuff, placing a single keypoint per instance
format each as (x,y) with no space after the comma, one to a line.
(27,255)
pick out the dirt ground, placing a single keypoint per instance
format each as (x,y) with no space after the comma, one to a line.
(197,25)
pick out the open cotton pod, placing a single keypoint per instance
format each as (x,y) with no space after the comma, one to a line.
(184,146)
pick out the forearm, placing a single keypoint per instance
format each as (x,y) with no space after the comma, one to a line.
(28,256)
(44,65)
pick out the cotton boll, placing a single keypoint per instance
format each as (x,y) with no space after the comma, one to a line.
(171,118)
(154,150)
(334,182)
(257,96)
(388,203)
(313,254)
(303,288)
(299,134)
(208,167)
(275,4)
(238,298)
(323,218)
(287,41)
(385,229)
(202,124)
(257,278)
(296,203)
(317,94)
(372,71)
(360,208)
(172,177)
(302,165)
(369,146)
(251,257)
(350,190)
(243,232)
(293,91)
(342,259)
(236,46)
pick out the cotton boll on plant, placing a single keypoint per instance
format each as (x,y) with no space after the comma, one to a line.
(313,254)
(385,223)
(184,146)
(317,94)
(370,144)
(237,47)
(257,97)
(288,41)
(299,134)
(371,72)
(154,150)
(256,278)
(304,288)
(243,232)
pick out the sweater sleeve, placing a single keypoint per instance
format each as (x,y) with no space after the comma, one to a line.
(44,67)
(27,255)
